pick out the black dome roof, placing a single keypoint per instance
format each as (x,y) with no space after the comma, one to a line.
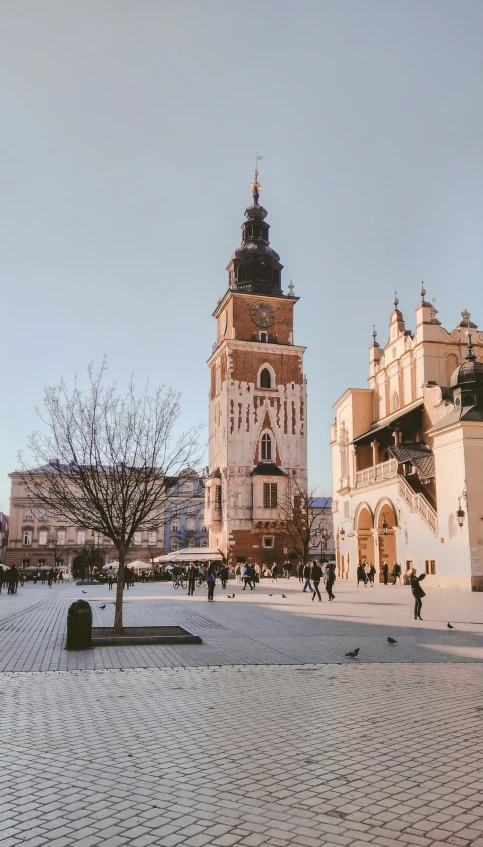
(469,371)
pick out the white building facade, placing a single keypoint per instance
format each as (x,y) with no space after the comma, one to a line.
(407,455)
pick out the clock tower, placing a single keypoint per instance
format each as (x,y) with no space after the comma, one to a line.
(258,410)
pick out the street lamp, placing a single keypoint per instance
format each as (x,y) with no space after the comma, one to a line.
(342,533)
(460,515)
(384,524)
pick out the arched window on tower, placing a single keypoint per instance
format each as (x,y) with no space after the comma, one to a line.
(249,232)
(262,271)
(243,273)
(266,448)
(265,379)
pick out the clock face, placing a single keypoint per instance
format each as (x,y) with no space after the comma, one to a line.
(262,314)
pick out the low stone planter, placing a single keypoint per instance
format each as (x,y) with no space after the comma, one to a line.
(104,636)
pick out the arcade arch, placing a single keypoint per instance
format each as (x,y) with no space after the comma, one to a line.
(365,539)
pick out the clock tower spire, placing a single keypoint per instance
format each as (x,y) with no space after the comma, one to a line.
(258,443)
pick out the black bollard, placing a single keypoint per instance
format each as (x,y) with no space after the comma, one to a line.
(79,626)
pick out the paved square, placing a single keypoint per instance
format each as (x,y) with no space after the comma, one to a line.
(263,735)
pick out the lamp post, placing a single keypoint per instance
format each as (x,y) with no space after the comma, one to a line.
(384,525)
(460,515)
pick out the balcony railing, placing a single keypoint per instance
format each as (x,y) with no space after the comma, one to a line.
(417,503)
(386,470)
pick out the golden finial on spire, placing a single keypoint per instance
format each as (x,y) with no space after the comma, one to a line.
(255,186)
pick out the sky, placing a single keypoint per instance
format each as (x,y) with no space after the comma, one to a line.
(129,133)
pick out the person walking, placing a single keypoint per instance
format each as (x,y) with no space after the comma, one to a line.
(247,577)
(238,574)
(258,573)
(396,573)
(316,577)
(192,574)
(300,571)
(329,582)
(417,592)
(361,574)
(50,577)
(2,578)
(275,572)
(307,573)
(372,573)
(110,576)
(211,579)
(385,571)
(223,575)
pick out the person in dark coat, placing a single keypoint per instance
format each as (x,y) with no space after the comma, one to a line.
(2,578)
(372,573)
(192,574)
(275,572)
(418,593)
(300,571)
(210,580)
(223,575)
(361,574)
(329,583)
(396,573)
(316,577)
(385,572)
(307,573)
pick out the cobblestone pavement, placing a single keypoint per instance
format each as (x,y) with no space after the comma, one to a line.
(352,755)
(263,736)
(252,628)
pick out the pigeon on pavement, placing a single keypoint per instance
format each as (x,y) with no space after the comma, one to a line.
(270,595)
(354,653)
(84,592)
(103,607)
(449,625)
(231,596)
(391,640)
(284,596)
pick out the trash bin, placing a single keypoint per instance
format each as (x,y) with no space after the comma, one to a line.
(79,626)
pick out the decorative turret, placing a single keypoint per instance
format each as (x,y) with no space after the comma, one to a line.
(426,312)
(396,324)
(467,380)
(255,267)
(375,353)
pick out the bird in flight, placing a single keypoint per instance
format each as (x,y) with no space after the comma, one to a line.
(354,653)
(391,640)
(449,625)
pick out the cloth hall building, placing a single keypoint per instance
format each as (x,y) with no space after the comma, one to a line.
(407,455)
(257,403)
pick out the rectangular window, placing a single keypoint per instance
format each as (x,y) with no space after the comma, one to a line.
(43,537)
(175,525)
(43,514)
(218,498)
(432,566)
(138,537)
(190,524)
(264,337)
(81,536)
(25,563)
(203,529)
(426,566)
(27,537)
(268,541)
(191,542)
(269,495)
(174,544)
(152,537)
(61,537)
(41,563)
(207,498)
(28,515)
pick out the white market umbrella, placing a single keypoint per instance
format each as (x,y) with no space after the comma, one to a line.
(190,554)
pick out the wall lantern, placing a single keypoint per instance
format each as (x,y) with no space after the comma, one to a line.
(460,515)
(384,524)
(342,533)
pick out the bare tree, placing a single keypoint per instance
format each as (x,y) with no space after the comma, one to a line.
(54,547)
(115,459)
(300,524)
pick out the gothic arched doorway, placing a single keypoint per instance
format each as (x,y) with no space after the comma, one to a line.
(365,539)
(386,524)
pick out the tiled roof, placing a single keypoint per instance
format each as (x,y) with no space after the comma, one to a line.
(267,469)
(419,455)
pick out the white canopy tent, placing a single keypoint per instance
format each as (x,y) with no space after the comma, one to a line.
(138,565)
(190,554)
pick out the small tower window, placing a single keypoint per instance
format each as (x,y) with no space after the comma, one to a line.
(243,276)
(266,448)
(265,379)
(262,271)
(276,276)
(249,232)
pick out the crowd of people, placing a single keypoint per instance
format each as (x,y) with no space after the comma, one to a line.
(11,577)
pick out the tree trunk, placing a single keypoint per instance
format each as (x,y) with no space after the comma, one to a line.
(119,593)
